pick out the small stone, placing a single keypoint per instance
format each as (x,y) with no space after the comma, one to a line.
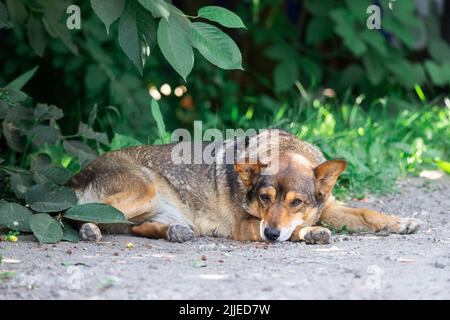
(69,251)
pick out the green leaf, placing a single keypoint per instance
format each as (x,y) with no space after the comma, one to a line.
(43,111)
(108,11)
(311,68)
(440,51)
(22,80)
(17,11)
(318,30)
(13,94)
(174,39)
(80,150)
(40,135)
(14,138)
(439,74)
(136,34)
(45,228)
(216,46)
(358,8)
(159,8)
(49,197)
(375,40)
(40,161)
(55,174)
(372,64)
(3,16)
(18,114)
(403,33)
(121,141)
(321,8)
(285,75)
(4,108)
(70,234)
(156,113)
(222,16)
(96,213)
(59,30)
(86,132)
(408,74)
(37,36)
(280,51)
(14,216)
(350,76)
(20,183)
(95,80)
(345,28)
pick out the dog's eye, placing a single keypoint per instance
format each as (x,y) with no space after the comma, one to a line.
(296,202)
(264,197)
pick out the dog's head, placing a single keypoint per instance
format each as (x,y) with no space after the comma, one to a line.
(290,197)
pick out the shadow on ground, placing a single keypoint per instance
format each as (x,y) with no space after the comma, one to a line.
(351,267)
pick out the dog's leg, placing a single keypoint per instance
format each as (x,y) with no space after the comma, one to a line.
(311,235)
(360,219)
(247,229)
(157,230)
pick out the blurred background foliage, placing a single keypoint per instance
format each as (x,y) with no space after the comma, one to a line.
(378,98)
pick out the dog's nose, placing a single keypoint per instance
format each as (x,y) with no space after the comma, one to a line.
(272,233)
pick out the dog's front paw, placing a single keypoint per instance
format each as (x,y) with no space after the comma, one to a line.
(90,232)
(315,235)
(179,233)
(405,226)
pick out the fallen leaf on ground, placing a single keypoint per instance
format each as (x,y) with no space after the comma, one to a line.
(198,264)
(109,282)
(12,238)
(6,275)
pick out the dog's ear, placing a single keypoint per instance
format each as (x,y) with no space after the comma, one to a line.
(326,176)
(249,172)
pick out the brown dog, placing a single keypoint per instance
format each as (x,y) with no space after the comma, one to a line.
(179,201)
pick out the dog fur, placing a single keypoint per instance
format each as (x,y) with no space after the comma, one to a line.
(177,202)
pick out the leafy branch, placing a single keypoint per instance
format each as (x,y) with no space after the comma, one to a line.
(175,34)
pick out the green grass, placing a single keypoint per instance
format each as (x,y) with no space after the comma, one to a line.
(379,145)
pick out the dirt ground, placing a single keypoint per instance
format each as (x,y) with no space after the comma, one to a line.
(351,267)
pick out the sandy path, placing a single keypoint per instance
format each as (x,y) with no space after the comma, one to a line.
(351,267)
